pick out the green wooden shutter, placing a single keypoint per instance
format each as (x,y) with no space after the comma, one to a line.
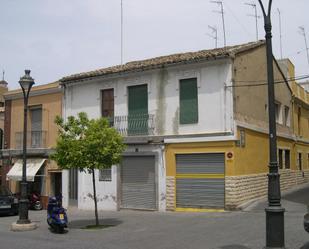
(138,110)
(188,101)
(138,100)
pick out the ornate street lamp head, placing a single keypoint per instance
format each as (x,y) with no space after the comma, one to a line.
(26,82)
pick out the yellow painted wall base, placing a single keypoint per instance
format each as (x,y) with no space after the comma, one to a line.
(200,210)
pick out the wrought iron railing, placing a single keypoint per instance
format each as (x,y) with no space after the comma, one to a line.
(134,125)
(35,139)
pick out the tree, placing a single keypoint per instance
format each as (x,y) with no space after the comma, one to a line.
(87,144)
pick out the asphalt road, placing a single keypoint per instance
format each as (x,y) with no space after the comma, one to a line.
(170,230)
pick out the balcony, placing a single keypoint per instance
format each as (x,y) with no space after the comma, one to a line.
(35,139)
(134,125)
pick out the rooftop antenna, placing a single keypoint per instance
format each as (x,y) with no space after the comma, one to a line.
(221,11)
(280,36)
(215,35)
(3,73)
(121,31)
(303,32)
(253,5)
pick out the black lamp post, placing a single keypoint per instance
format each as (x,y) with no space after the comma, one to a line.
(274,211)
(26,82)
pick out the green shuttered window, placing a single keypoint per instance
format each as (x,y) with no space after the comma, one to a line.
(188,101)
(138,110)
(138,100)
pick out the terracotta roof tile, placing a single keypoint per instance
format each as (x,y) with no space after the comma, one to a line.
(166,60)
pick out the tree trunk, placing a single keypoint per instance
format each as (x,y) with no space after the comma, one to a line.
(95,199)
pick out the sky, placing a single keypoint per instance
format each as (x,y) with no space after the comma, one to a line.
(57,38)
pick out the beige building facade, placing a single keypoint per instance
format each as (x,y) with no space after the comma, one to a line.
(3,90)
(45,103)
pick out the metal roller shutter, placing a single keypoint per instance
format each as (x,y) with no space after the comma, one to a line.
(200,180)
(138,182)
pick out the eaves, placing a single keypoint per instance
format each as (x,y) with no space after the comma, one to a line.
(19,95)
(143,69)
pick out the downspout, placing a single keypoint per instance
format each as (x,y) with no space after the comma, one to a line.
(162,196)
(65,173)
(233,101)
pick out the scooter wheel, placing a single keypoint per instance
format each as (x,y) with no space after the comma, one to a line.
(38,206)
(59,229)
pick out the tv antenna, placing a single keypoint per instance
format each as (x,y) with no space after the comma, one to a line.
(121,32)
(280,33)
(221,11)
(253,5)
(303,32)
(214,34)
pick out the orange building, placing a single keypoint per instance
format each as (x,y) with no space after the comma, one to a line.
(43,175)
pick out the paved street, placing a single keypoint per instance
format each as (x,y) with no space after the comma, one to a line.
(153,230)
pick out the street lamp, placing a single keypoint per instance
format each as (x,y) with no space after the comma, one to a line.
(274,210)
(26,82)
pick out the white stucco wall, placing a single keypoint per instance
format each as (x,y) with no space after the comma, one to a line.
(215,116)
(65,188)
(214,99)
(106,191)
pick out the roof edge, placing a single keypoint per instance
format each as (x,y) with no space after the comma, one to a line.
(165,61)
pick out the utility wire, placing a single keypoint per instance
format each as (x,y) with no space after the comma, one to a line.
(264,83)
(239,22)
(289,79)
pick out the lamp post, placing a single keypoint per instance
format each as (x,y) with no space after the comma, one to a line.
(274,210)
(26,82)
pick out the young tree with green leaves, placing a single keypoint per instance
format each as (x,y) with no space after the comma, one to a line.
(87,144)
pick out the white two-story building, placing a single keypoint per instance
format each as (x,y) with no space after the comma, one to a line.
(179,115)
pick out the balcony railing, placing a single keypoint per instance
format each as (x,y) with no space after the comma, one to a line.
(35,139)
(134,125)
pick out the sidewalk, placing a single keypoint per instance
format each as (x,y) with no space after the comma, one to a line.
(156,230)
(290,200)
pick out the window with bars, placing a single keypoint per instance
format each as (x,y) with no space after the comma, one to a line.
(105,175)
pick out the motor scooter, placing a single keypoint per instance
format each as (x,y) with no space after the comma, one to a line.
(56,215)
(35,201)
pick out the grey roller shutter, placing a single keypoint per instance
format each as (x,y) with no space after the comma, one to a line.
(138,182)
(200,180)
(73,184)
